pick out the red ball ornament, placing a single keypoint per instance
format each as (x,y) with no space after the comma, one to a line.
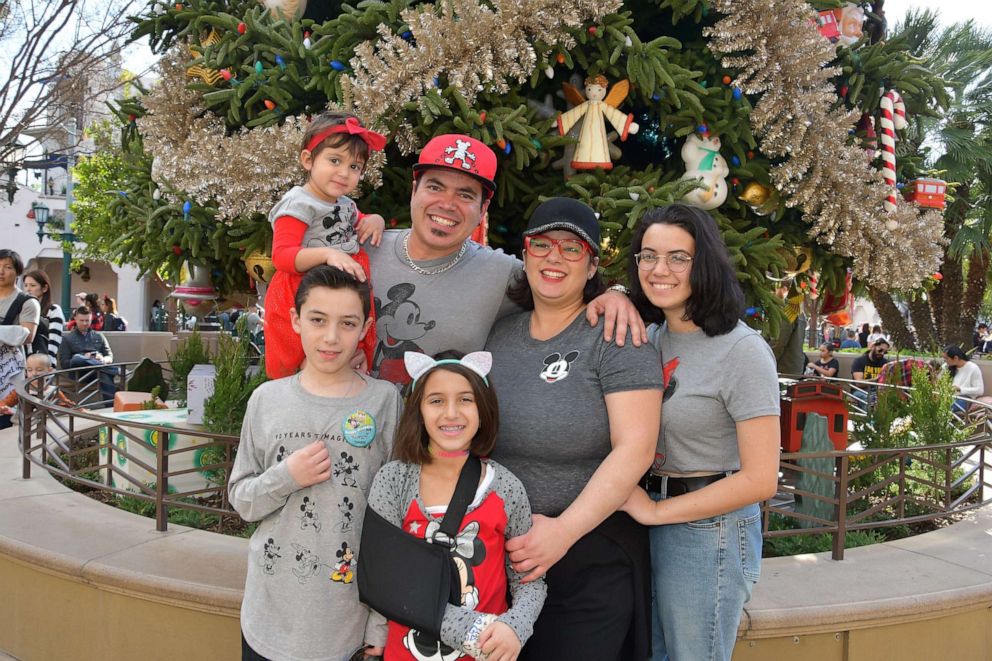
(592,30)
(843,90)
(177,249)
(938,276)
(242,28)
(560,57)
(650,189)
(392,222)
(726,80)
(750,155)
(501,144)
(482,117)
(735,181)
(270,104)
(131,118)
(179,6)
(225,74)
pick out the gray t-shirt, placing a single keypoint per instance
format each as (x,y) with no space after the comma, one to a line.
(431,313)
(712,384)
(554,428)
(301,598)
(329,224)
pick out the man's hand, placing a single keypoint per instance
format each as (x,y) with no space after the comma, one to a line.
(499,643)
(535,552)
(371,227)
(619,314)
(343,261)
(310,464)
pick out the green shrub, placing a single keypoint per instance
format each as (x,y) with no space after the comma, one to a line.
(189,353)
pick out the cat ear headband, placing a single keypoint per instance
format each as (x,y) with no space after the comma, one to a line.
(418,364)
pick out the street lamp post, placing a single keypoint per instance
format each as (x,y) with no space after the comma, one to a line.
(66,236)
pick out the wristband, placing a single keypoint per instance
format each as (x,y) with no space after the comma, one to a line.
(471,644)
(620,288)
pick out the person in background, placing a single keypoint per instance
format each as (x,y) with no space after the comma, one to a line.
(827,365)
(36,365)
(876,334)
(850,340)
(112,321)
(967,376)
(868,367)
(19,314)
(863,336)
(38,285)
(85,347)
(982,339)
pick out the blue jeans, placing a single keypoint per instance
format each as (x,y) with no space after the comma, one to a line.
(107,387)
(702,574)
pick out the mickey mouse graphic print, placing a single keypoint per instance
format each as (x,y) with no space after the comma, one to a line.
(554,428)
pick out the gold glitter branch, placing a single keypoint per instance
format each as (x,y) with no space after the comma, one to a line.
(787,62)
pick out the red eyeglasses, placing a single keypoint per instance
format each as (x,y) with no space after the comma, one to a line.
(571,249)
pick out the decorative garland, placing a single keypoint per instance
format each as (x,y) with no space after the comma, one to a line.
(841,195)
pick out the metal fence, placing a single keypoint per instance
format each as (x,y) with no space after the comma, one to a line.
(66,442)
(867,488)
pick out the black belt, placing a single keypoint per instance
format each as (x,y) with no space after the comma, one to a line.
(679,485)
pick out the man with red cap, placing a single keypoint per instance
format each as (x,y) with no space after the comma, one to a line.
(434,288)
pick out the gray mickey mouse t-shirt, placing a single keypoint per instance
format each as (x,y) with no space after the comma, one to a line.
(554,428)
(712,384)
(329,224)
(430,313)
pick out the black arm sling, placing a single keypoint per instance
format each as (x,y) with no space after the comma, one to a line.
(410,580)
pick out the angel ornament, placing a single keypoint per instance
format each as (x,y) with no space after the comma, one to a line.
(595,109)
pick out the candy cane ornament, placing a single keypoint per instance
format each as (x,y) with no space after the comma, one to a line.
(893,118)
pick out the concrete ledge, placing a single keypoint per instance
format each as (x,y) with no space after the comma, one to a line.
(86,581)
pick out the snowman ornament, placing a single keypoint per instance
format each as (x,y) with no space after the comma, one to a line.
(703,163)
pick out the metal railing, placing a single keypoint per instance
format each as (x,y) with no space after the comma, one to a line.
(869,487)
(61,440)
(873,488)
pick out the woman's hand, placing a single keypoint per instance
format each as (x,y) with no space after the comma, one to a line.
(535,552)
(499,643)
(619,315)
(641,508)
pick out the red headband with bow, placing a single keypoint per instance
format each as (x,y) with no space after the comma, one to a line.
(375,141)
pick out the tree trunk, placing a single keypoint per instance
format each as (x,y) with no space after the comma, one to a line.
(953,295)
(927,337)
(977,283)
(892,320)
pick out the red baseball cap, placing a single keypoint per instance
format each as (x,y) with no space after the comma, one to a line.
(460,153)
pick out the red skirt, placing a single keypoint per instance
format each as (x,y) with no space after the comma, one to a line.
(283,349)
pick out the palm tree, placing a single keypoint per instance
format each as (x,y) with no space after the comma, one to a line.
(959,147)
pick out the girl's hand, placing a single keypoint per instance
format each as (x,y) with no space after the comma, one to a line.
(499,643)
(374,651)
(310,464)
(343,261)
(641,508)
(535,552)
(371,226)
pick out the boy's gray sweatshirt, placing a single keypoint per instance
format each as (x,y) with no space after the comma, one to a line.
(301,596)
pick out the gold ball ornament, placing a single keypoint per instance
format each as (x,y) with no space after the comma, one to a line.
(288,10)
(762,199)
(259,266)
(798,260)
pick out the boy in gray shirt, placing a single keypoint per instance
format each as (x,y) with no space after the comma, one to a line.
(310,446)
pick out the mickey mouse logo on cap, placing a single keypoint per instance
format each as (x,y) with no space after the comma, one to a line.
(462,153)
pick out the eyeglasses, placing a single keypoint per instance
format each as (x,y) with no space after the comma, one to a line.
(571,249)
(677,262)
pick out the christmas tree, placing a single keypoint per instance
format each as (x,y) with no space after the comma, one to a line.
(747,108)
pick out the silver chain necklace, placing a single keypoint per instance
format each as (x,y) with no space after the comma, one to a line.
(423,271)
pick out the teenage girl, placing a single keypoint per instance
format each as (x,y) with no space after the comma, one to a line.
(312,219)
(452,412)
